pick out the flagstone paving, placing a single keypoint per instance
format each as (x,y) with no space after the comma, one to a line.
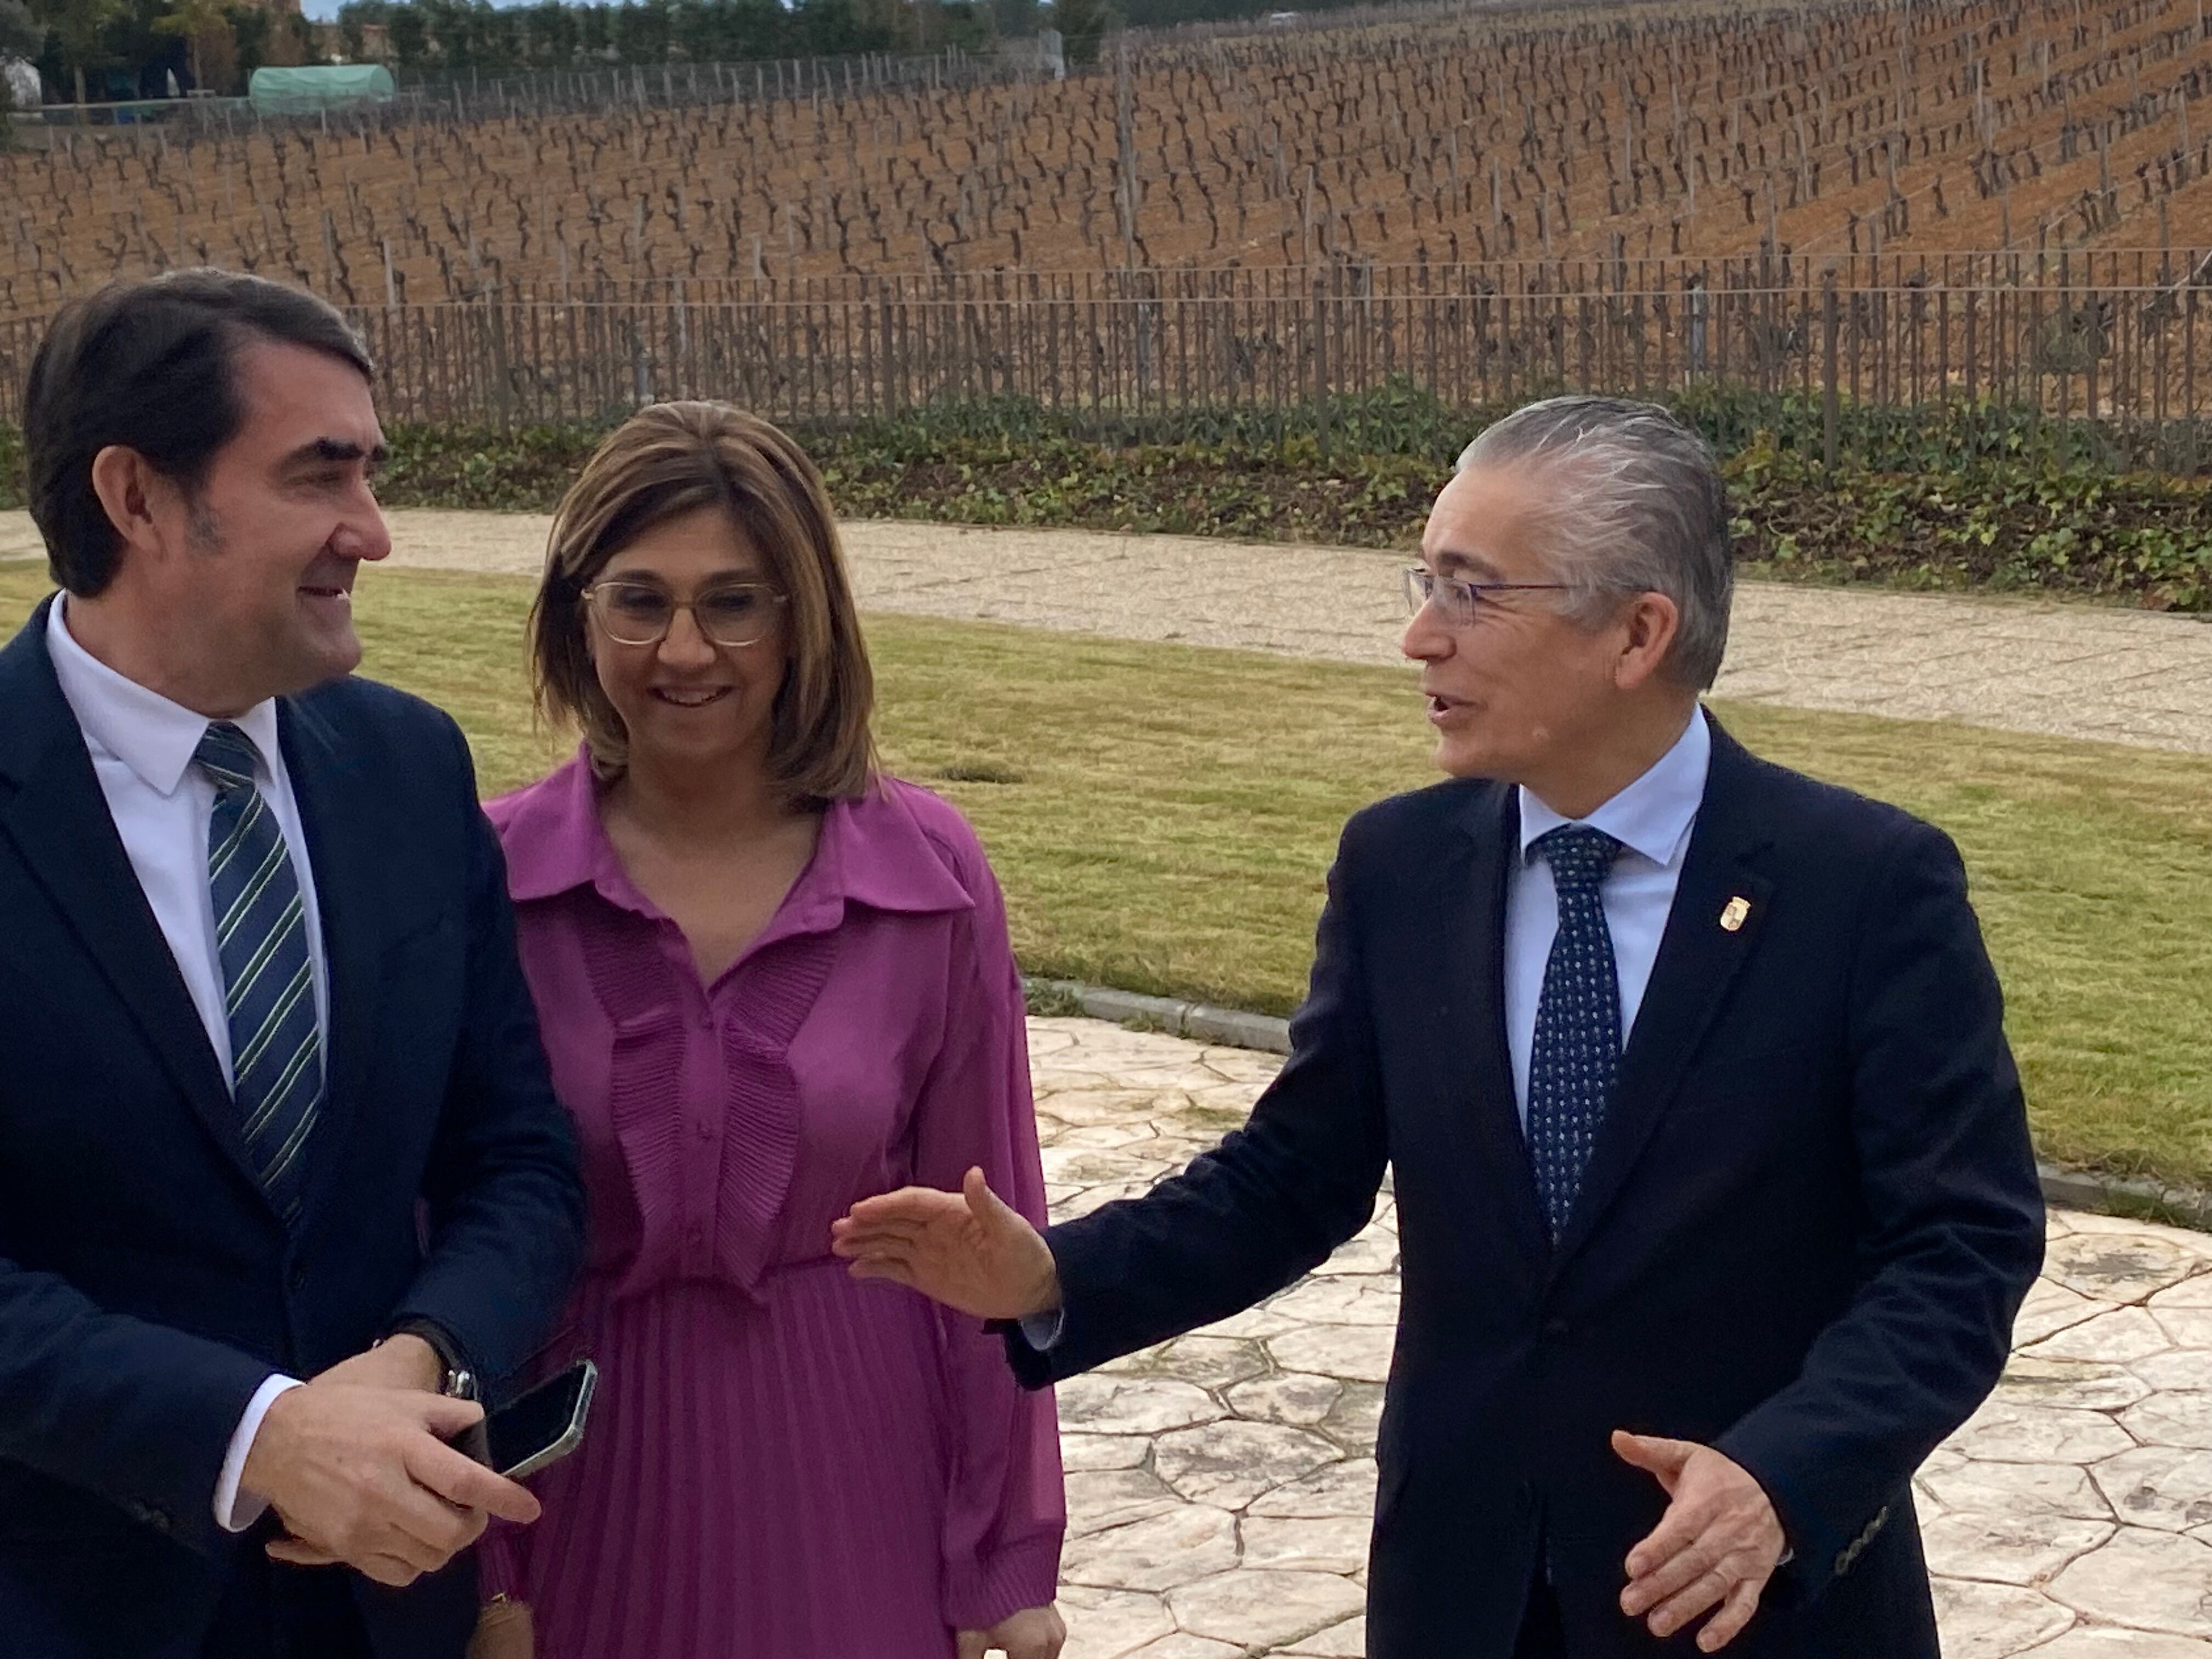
(1220,1485)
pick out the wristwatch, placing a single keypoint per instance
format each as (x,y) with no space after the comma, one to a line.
(459,1382)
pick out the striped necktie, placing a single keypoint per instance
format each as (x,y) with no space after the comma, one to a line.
(261,932)
(1577,1046)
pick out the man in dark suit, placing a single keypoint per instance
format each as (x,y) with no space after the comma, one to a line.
(1715,1194)
(272,1104)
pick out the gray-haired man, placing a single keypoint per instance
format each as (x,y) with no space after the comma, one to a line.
(1714,1187)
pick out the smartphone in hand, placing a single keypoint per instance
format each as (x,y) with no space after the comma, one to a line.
(537,1428)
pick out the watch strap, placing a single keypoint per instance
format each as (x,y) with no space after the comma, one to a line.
(460,1382)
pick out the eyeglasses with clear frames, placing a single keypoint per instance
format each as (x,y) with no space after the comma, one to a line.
(1461,603)
(735,614)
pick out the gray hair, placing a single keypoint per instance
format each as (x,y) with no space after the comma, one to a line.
(1646,515)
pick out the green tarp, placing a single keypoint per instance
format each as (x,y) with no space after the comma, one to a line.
(304,91)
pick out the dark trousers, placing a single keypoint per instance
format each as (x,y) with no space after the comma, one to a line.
(1541,1636)
(274,1611)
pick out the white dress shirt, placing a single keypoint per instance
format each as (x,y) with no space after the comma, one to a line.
(141,747)
(1651,819)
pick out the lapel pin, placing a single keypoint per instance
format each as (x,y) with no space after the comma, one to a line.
(1733,914)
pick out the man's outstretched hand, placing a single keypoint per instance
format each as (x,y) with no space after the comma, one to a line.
(1715,1547)
(966,1249)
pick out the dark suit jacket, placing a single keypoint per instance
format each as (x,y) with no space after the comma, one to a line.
(1810,1216)
(146,1286)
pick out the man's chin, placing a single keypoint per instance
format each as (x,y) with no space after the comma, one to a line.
(1458,757)
(341,653)
(327,660)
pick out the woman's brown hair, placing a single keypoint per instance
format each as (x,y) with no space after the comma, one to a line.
(673,458)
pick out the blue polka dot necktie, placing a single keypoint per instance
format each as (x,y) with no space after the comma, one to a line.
(1578,1048)
(261,934)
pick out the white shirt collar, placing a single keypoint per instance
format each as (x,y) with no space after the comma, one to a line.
(1652,817)
(152,736)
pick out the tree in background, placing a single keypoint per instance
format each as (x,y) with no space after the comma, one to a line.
(453,37)
(449,24)
(81,30)
(700,32)
(21,36)
(407,37)
(499,35)
(1083,24)
(831,28)
(550,30)
(967,24)
(641,32)
(249,27)
(594,34)
(355,18)
(1015,19)
(290,41)
(204,27)
(755,28)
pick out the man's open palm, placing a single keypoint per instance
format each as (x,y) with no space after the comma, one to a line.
(966,1249)
(1713,1550)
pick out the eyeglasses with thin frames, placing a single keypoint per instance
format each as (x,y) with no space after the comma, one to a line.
(1462,603)
(736,614)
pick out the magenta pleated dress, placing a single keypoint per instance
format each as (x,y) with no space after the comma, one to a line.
(783,1462)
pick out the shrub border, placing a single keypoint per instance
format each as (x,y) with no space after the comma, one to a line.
(1955,495)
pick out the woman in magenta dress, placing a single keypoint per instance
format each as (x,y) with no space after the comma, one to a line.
(771,982)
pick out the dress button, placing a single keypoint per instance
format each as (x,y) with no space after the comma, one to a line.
(1557,1328)
(706,1130)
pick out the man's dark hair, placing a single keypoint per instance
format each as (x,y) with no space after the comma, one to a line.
(151,366)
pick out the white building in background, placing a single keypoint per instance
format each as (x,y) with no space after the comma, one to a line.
(24,91)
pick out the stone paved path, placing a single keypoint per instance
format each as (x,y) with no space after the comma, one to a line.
(2074,670)
(1220,1487)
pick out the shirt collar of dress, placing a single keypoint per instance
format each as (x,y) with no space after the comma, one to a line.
(871,852)
(151,735)
(1652,817)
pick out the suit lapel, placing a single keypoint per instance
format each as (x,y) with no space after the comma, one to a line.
(341,851)
(1473,901)
(59,822)
(1700,956)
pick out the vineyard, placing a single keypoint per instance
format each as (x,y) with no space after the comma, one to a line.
(1445,138)
(1843,206)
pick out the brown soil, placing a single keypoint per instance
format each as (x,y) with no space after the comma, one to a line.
(1831,131)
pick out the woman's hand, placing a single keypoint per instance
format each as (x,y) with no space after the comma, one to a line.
(1032,1633)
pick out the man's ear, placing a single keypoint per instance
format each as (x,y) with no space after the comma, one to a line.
(1650,624)
(128,488)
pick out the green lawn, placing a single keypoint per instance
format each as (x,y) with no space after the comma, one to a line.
(1170,811)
